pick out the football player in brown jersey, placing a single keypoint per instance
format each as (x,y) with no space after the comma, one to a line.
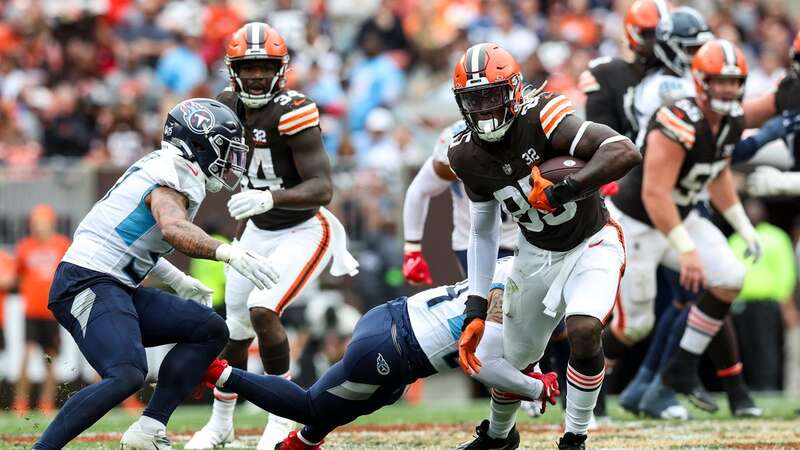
(570,256)
(687,150)
(284,190)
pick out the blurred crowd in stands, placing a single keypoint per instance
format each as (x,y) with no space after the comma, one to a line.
(87,82)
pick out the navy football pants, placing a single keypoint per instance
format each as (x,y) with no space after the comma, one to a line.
(371,375)
(112,324)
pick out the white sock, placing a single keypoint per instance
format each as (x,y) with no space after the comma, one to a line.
(150,425)
(582,393)
(700,329)
(223,377)
(222,411)
(502,417)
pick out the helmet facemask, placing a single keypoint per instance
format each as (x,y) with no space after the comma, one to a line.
(264,87)
(229,166)
(724,106)
(489,110)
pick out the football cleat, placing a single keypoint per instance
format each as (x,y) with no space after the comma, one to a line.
(135,438)
(742,404)
(208,438)
(293,442)
(572,441)
(483,441)
(275,432)
(681,375)
(660,401)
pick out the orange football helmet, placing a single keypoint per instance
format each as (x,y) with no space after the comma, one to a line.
(257,41)
(487,84)
(641,20)
(719,59)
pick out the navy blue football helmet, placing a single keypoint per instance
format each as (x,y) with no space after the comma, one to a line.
(679,36)
(210,134)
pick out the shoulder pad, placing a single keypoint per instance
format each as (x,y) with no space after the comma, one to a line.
(172,170)
(672,89)
(676,124)
(298,113)
(553,108)
(445,139)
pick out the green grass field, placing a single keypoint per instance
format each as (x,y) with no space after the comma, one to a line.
(442,427)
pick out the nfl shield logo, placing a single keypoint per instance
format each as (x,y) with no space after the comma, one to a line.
(507,169)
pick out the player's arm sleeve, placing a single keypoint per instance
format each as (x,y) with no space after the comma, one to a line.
(501,272)
(166,272)
(608,154)
(425,185)
(484,242)
(497,372)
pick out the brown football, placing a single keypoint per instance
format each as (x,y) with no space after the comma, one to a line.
(556,169)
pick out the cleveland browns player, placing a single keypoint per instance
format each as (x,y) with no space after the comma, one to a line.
(286,185)
(570,255)
(687,150)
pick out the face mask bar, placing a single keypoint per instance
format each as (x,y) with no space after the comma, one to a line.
(229,166)
(486,109)
(272,84)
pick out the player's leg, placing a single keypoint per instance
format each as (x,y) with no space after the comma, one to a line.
(526,331)
(300,253)
(199,334)
(372,374)
(724,353)
(725,276)
(101,318)
(219,429)
(589,292)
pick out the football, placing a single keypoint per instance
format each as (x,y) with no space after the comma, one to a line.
(556,169)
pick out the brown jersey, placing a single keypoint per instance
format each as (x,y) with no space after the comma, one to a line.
(609,85)
(706,156)
(501,171)
(270,162)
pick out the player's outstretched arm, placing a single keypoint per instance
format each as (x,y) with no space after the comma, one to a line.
(169,209)
(724,198)
(609,155)
(428,183)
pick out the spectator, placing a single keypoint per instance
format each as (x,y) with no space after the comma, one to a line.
(37,258)
(67,131)
(7,280)
(387,26)
(519,41)
(768,283)
(375,81)
(181,68)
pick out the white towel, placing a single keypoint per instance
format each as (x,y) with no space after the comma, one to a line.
(343,262)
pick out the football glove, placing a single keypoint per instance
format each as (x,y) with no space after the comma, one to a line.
(550,390)
(249,203)
(193,289)
(538,197)
(252,266)
(415,268)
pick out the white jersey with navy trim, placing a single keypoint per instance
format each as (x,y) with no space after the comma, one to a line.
(436,316)
(119,236)
(657,89)
(509,235)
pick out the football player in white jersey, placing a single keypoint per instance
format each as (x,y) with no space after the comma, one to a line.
(97,295)
(433,178)
(393,345)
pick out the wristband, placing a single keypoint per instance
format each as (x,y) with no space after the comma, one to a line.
(476,307)
(680,239)
(224,253)
(738,219)
(409,247)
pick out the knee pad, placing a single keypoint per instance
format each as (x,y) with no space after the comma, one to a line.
(127,377)
(214,330)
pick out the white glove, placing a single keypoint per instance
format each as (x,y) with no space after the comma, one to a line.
(767,181)
(532,408)
(753,245)
(249,203)
(252,266)
(193,289)
(736,216)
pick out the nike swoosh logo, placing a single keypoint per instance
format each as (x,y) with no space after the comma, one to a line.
(194,171)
